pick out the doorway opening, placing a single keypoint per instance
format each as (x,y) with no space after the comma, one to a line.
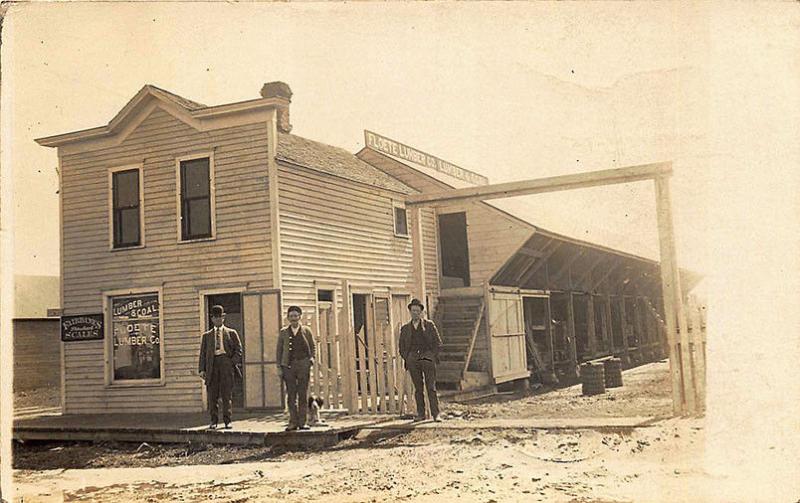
(536,314)
(362,336)
(232,303)
(454,250)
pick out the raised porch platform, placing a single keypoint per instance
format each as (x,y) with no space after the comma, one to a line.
(250,428)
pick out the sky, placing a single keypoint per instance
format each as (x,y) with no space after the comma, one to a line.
(511,91)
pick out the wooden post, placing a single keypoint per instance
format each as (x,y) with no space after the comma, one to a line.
(673,304)
(316,367)
(609,324)
(391,359)
(349,350)
(361,370)
(274,206)
(573,347)
(418,254)
(487,295)
(698,353)
(590,328)
(641,336)
(549,341)
(371,338)
(623,322)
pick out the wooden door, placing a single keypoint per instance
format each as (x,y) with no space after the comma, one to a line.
(509,359)
(263,389)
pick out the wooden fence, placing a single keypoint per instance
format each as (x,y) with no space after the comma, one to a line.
(696,327)
(361,373)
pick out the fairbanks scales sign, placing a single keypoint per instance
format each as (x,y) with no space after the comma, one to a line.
(397,149)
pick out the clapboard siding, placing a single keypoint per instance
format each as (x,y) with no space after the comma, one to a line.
(37,354)
(239,256)
(334,230)
(430,228)
(493,235)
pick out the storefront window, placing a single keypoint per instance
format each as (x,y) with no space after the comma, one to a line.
(136,337)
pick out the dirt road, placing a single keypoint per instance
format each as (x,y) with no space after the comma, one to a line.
(651,464)
(661,462)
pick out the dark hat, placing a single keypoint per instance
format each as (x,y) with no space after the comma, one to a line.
(416,302)
(217,311)
(295,309)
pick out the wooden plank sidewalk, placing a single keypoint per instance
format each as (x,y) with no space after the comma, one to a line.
(263,429)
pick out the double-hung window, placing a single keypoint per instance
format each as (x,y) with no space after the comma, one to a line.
(127,227)
(196,197)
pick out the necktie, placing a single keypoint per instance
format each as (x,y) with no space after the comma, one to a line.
(216,339)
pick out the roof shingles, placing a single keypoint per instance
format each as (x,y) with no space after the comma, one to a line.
(335,161)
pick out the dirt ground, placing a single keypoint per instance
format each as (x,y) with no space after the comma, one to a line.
(660,462)
(650,464)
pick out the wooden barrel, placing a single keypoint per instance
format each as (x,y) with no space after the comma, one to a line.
(613,372)
(593,379)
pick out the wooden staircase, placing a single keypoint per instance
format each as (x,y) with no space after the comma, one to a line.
(458,319)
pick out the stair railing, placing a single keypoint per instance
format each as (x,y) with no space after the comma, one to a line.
(475,330)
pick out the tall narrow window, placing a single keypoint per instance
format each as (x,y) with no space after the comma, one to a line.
(126,208)
(196,206)
(400,221)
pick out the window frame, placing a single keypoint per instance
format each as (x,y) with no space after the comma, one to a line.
(211,193)
(395,206)
(111,172)
(108,348)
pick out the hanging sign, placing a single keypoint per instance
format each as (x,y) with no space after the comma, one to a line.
(83,327)
(397,149)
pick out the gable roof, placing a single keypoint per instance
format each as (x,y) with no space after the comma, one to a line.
(179,100)
(190,111)
(291,148)
(335,161)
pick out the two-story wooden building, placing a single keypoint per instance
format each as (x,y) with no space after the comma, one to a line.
(174,206)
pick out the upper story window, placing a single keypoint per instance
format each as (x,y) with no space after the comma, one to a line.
(126,207)
(196,189)
(400,221)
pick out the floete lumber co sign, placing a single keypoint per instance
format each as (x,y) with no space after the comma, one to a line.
(397,149)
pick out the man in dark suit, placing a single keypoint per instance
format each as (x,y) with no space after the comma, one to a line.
(220,356)
(419,346)
(295,356)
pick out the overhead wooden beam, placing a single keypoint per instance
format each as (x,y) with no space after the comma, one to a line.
(538,264)
(541,185)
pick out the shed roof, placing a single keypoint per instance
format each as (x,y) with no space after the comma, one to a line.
(518,264)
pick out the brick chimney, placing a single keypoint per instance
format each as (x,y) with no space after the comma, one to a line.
(280,90)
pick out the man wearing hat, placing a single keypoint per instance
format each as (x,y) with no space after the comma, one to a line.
(220,356)
(295,355)
(419,346)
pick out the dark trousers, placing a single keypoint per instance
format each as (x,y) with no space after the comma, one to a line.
(424,370)
(296,377)
(220,386)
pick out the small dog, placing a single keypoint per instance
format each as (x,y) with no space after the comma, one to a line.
(315,403)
